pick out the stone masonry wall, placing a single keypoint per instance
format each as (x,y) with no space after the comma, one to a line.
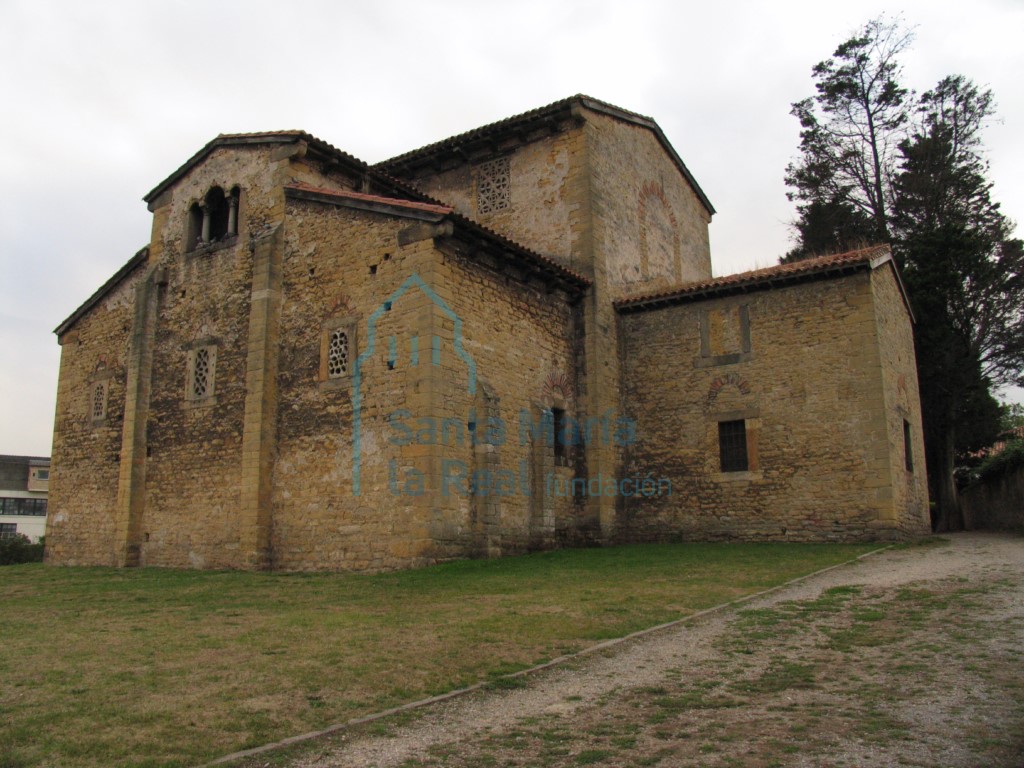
(995,504)
(194,448)
(650,226)
(86,452)
(165,486)
(415,451)
(807,384)
(647,231)
(909,493)
(544,196)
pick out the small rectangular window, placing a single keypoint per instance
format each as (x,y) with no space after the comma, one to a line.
(8,530)
(98,391)
(337,353)
(494,186)
(201,373)
(732,446)
(561,439)
(23,507)
(200,384)
(908,450)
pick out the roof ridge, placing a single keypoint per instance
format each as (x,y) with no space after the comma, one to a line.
(739,280)
(478,129)
(452,143)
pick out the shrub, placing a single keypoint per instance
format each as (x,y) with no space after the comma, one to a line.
(18,549)
(1004,462)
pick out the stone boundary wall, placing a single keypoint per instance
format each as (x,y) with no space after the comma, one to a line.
(996,504)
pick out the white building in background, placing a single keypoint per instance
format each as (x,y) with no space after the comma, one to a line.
(24,485)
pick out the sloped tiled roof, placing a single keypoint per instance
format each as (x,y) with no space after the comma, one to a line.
(537,261)
(763,279)
(524,122)
(262,137)
(442,210)
(139,258)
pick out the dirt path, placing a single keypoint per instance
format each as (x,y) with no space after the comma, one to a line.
(910,657)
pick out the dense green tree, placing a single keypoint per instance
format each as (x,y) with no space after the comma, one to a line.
(965,276)
(849,138)
(1011,417)
(879,165)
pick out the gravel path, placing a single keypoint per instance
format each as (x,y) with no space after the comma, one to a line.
(907,657)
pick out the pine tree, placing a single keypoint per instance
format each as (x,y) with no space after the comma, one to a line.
(849,138)
(965,276)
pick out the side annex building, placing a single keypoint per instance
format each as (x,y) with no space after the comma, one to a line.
(507,340)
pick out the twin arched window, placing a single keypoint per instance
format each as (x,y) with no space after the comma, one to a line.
(214,219)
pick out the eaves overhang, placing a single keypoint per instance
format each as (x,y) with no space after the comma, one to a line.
(462,229)
(781,275)
(139,258)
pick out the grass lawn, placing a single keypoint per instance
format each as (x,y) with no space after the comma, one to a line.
(153,667)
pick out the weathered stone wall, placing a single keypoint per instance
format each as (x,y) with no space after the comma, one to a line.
(326,275)
(650,227)
(522,339)
(547,179)
(909,487)
(648,231)
(436,440)
(800,366)
(996,504)
(169,477)
(416,456)
(193,449)
(86,453)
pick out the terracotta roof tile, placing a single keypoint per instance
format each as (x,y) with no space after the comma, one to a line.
(760,279)
(259,137)
(437,208)
(562,108)
(543,263)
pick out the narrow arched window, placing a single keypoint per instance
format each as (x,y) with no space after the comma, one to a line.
(218,212)
(213,219)
(234,199)
(194,232)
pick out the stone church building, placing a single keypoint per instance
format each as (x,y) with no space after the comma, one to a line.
(507,340)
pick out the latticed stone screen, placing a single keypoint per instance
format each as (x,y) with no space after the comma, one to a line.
(494,186)
(99,400)
(337,354)
(201,373)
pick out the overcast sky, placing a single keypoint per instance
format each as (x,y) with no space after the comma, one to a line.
(104,100)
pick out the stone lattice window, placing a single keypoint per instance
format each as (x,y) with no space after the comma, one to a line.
(98,403)
(337,353)
(201,375)
(494,186)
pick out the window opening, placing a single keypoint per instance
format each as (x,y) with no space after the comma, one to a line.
(732,446)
